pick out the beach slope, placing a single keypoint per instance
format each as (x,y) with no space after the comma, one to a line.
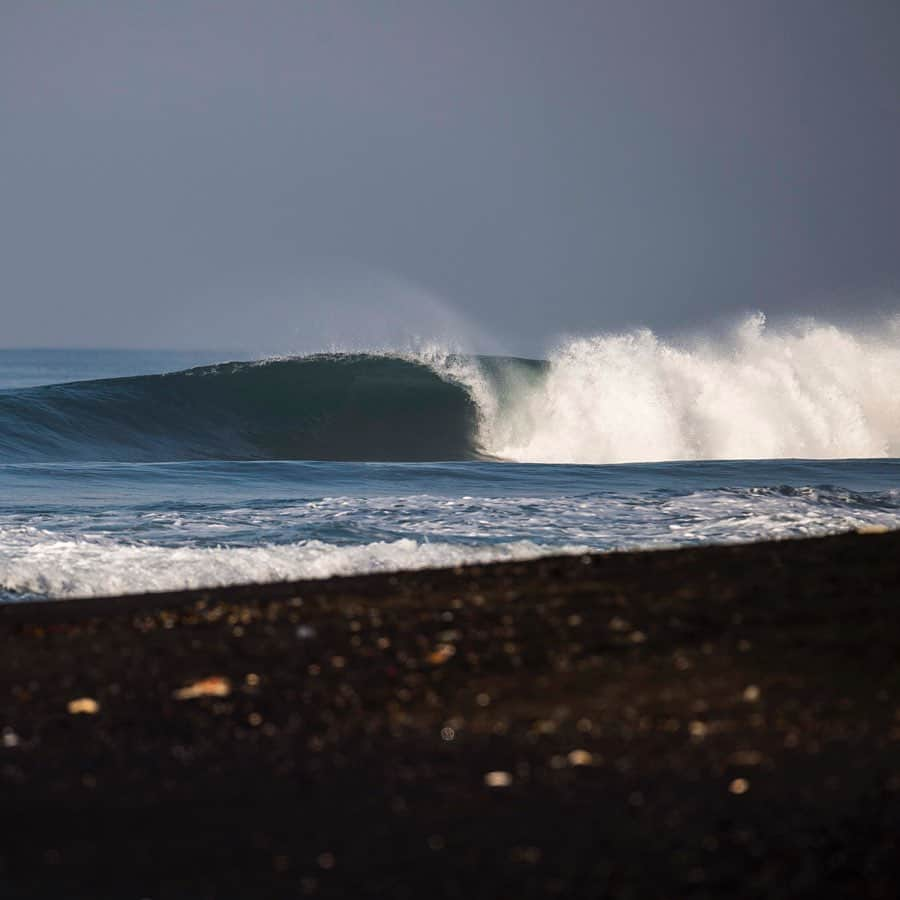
(715,722)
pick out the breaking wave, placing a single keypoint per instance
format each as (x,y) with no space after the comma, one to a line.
(814,391)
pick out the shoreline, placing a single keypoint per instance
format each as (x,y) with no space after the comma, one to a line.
(51,608)
(713,721)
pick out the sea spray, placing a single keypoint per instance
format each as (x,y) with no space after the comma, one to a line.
(808,391)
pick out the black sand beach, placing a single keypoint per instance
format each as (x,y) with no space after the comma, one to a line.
(719,722)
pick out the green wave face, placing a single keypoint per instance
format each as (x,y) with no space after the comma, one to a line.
(353,407)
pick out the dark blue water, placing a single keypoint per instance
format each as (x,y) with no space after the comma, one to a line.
(133,519)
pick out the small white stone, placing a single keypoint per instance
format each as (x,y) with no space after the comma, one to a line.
(580,758)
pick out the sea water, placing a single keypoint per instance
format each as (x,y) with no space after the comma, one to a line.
(132,471)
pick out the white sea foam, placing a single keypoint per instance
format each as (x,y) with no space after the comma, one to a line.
(811,390)
(40,563)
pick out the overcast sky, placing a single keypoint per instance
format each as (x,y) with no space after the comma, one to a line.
(277,175)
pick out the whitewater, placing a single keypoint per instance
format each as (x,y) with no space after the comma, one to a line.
(814,391)
(123,472)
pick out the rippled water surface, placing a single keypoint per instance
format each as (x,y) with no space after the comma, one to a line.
(68,530)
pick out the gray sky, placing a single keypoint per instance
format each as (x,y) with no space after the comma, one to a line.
(277,175)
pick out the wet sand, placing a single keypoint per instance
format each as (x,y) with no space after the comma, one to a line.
(719,722)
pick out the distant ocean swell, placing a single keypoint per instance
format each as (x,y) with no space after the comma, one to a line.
(816,391)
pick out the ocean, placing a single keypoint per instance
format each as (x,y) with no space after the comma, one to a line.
(128,471)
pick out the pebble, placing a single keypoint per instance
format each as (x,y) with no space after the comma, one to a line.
(498,779)
(214,686)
